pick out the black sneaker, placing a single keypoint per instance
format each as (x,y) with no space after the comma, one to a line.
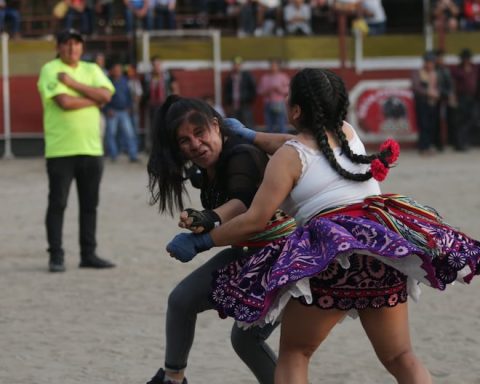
(95,262)
(160,377)
(56,266)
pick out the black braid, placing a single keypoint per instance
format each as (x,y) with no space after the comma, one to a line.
(342,109)
(322,141)
(322,117)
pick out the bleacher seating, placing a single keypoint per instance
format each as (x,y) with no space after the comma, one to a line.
(404,16)
(37,18)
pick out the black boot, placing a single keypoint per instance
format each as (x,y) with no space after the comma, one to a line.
(160,377)
(56,263)
(96,262)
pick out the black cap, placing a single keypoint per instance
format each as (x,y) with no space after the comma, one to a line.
(429,56)
(465,53)
(68,34)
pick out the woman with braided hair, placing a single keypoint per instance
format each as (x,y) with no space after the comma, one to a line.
(355,251)
(230,171)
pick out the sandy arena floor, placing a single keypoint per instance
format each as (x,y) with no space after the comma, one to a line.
(99,327)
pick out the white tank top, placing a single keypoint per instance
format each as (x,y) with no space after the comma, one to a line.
(320,186)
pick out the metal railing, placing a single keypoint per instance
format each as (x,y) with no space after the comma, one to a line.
(7,128)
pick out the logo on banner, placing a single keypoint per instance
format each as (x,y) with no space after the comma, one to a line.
(383,108)
(387,111)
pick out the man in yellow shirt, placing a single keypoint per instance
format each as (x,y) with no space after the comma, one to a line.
(72,93)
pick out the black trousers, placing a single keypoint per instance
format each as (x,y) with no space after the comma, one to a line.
(87,172)
(191,297)
(465,122)
(428,123)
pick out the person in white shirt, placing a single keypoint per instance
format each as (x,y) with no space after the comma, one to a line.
(298,17)
(269,17)
(375,16)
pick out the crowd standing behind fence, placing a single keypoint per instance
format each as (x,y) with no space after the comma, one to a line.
(447,102)
(268,17)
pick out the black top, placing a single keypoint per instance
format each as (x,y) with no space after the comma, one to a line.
(238,174)
(248,90)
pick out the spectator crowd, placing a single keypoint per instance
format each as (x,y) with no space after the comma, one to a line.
(447,102)
(444,96)
(139,97)
(245,17)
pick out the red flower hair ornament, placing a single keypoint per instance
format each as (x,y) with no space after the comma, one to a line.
(379,170)
(389,152)
(393,148)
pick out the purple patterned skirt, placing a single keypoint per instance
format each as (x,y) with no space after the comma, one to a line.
(350,257)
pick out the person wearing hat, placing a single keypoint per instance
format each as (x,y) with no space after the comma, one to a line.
(72,92)
(466,78)
(239,93)
(426,94)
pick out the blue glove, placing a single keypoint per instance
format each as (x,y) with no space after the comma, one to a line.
(235,127)
(185,246)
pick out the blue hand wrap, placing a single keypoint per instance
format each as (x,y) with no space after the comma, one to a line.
(185,246)
(235,127)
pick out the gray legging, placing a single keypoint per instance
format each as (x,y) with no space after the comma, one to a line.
(190,297)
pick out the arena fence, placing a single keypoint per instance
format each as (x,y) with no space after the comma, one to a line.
(379,58)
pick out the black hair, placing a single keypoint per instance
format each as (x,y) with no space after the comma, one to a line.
(166,165)
(323,100)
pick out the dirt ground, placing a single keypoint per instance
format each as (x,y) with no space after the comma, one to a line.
(99,327)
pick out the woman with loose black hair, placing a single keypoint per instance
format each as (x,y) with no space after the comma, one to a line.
(230,170)
(355,250)
(166,164)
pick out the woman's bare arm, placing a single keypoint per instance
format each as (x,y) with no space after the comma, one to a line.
(281,174)
(270,142)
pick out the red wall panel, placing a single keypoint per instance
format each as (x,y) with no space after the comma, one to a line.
(26,109)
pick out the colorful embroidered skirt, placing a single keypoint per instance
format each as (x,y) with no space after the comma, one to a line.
(349,257)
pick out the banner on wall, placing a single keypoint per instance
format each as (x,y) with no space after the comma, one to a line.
(383,108)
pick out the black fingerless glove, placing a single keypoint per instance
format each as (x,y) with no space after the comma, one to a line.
(194,174)
(207,219)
